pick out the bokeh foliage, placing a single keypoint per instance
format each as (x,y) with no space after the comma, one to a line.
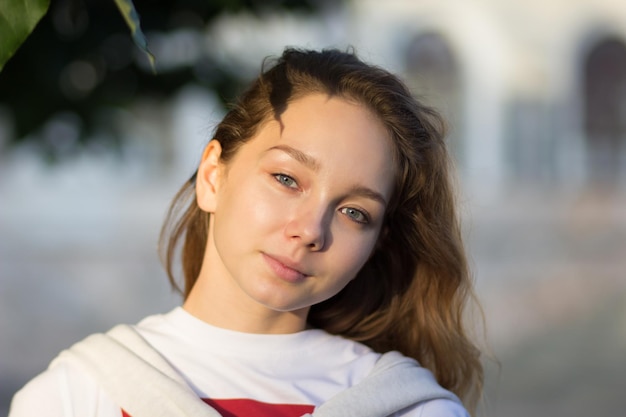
(17,20)
(81,59)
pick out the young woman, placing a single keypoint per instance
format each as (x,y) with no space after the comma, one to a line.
(322,262)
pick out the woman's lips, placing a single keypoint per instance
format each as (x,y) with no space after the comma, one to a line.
(287,273)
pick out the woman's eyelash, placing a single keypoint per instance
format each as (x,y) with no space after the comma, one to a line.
(285,180)
(356,215)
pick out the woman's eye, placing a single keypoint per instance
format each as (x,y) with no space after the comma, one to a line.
(356,215)
(286,180)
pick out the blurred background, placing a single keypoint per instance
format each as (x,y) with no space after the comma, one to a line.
(93,146)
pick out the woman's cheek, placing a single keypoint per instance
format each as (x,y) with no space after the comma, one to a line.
(352,244)
(267,207)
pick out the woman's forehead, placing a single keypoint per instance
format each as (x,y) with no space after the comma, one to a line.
(332,134)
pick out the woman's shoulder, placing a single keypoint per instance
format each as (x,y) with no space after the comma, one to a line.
(435,408)
(62,390)
(65,389)
(42,395)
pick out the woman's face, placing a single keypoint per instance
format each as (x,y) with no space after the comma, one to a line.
(298,210)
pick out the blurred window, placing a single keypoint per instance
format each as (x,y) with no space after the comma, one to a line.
(433,76)
(605,111)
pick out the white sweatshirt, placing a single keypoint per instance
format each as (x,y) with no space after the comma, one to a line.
(238,374)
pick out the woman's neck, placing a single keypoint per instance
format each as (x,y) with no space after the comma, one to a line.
(220,310)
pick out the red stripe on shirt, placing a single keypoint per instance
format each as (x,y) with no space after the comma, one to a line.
(240,407)
(244,407)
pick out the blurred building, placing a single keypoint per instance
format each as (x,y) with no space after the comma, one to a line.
(535,91)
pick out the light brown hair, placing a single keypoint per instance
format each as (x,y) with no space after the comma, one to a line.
(411,294)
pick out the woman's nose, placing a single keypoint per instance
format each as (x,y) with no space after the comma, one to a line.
(310,227)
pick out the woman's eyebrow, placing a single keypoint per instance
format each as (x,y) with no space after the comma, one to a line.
(369,193)
(313,164)
(303,158)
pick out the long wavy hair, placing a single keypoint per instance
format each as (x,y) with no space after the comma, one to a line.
(411,295)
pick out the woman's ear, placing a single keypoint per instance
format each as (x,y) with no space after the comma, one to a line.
(208,178)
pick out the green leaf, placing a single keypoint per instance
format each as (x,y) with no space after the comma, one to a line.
(127,8)
(18,18)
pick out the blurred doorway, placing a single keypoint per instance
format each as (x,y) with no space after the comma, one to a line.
(605,112)
(433,76)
